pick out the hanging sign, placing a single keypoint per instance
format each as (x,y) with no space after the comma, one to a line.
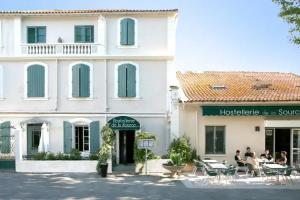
(145,143)
(124,123)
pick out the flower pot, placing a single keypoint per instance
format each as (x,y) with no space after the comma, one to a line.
(103,168)
(175,170)
(189,168)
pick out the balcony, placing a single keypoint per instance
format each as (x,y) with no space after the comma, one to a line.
(62,49)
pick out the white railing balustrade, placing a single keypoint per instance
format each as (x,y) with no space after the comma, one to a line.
(63,49)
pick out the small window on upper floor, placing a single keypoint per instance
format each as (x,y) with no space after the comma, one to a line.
(36,34)
(80,81)
(84,34)
(36,81)
(127,31)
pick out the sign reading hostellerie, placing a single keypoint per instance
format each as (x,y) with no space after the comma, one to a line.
(251,110)
(124,123)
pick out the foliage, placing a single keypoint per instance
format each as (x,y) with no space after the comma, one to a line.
(94,156)
(182,146)
(290,12)
(50,156)
(75,154)
(61,156)
(176,158)
(39,156)
(139,154)
(108,139)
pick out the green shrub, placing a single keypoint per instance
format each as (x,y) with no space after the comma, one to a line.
(39,156)
(176,158)
(139,154)
(182,145)
(60,156)
(75,154)
(94,156)
(50,156)
(66,157)
(166,156)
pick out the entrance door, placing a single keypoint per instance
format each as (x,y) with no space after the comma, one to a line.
(282,142)
(296,147)
(33,138)
(126,146)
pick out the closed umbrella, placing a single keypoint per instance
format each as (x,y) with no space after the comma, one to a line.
(41,143)
(45,134)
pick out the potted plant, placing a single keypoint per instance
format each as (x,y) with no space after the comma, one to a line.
(176,164)
(108,139)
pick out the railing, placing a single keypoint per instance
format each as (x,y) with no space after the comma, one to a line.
(63,49)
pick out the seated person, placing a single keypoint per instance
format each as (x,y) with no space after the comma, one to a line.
(282,160)
(253,164)
(248,153)
(240,162)
(266,155)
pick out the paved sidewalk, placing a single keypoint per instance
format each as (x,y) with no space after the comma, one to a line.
(91,186)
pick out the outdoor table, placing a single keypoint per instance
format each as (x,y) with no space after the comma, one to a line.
(218,167)
(277,168)
(209,161)
(264,161)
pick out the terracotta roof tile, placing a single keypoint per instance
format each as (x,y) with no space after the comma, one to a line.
(240,86)
(79,12)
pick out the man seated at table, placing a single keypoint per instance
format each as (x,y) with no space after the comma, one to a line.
(240,162)
(282,160)
(248,153)
(253,164)
(266,155)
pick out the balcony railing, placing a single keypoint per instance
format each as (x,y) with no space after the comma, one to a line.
(63,49)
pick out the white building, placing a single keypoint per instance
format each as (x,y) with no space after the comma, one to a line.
(222,112)
(71,71)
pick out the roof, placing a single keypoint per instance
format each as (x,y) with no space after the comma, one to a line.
(81,12)
(240,86)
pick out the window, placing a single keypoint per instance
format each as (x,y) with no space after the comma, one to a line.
(80,80)
(36,81)
(215,139)
(36,34)
(82,138)
(127,31)
(126,80)
(84,34)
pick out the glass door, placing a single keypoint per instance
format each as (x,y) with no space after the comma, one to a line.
(296,147)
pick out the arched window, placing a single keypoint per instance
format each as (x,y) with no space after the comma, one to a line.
(36,83)
(81,80)
(127,31)
(127,80)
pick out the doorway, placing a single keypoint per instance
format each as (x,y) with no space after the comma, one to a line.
(33,138)
(126,146)
(283,142)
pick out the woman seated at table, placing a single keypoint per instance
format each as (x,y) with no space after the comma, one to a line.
(240,162)
(282,160)
(266,155)
(253,164)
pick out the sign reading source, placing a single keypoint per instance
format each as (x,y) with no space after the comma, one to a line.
(124,123)
(145,143)
(251,110)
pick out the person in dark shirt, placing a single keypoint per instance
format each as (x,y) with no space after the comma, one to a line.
(282,160)
(266,155)
(248,153)
(240,162)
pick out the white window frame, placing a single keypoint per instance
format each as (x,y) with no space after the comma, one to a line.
(137,84)
(135,33)
(1,82)
(70,96)
(46,82)
(81,122)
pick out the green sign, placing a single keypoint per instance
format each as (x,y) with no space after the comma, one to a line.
(124,123)
(251,111)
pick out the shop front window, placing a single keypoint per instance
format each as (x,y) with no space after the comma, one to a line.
(215,139)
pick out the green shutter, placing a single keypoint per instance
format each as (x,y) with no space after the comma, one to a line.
(123,32)
(89,33)
(78,34)
(5,137)
(130,32)
(122,81)
(67,137)
(84,81)
(75,81)
(36,81)
(94,136)
(41,34)
(220,140)
(31,35)
(131,81)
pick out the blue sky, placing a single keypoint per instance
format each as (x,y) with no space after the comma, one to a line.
(228,35)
